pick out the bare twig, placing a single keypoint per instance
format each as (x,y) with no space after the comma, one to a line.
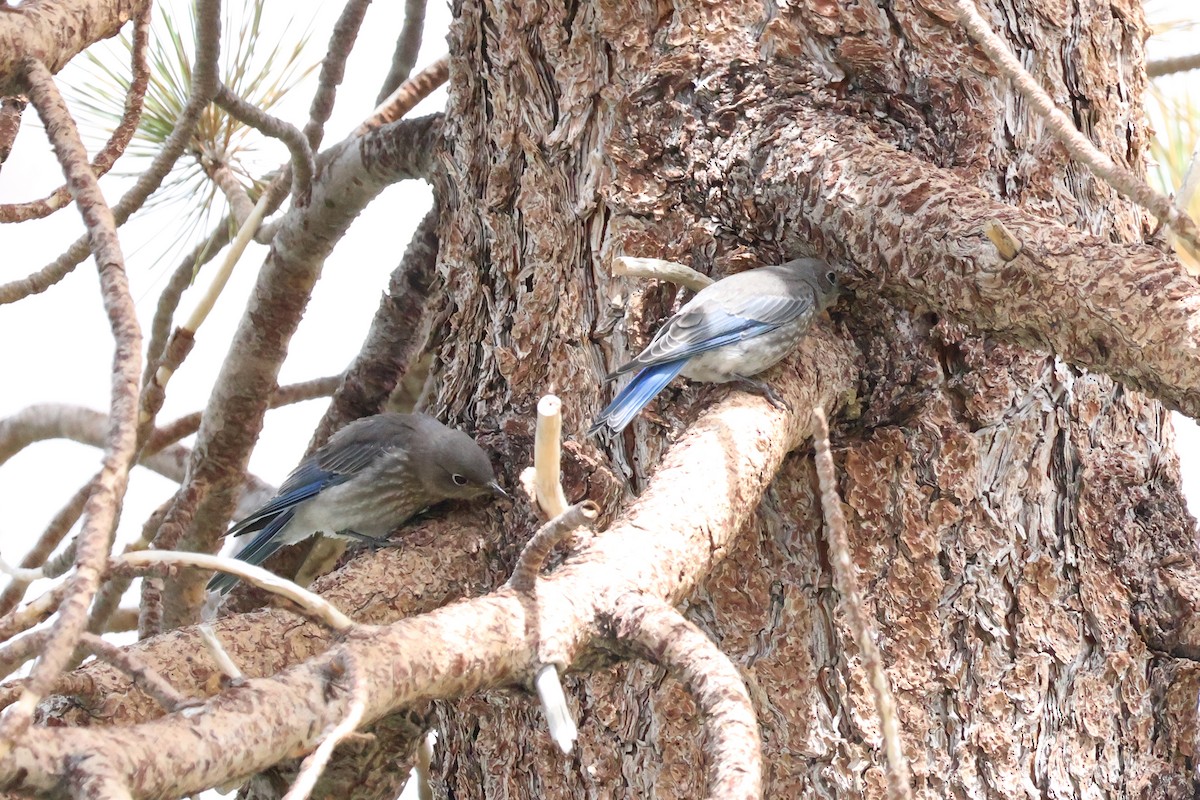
(407,95)
(1165,66)
(1007,245)
(313,605)
(204,86)
(128,662)
(333,69)
(852,605)
(217,650)
(100,511)
(303,164)
(547,455)
(180,280)
(122,134)
(66,517)
(559,719)
(356,706)
(408,46)
(661,270)
(731,739)
(524,576)
(1078,145)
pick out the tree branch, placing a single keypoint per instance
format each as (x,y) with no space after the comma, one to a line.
(1127,310)
(486,641)
(303,164)
(54,33)
(731,739)
(204,86)
(120,137)
(408,46)
(100,511)
(333,69)
(1078,145)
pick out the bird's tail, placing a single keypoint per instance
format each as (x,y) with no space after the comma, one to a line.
(261,548)
(634,397)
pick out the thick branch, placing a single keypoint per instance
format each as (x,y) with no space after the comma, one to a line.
(54,33)
(1128,310)
(667,541)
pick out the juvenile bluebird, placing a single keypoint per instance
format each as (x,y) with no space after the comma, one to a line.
(731,330)
(371,476)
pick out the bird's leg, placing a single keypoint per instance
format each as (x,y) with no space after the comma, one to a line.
(762,388)
(374,542)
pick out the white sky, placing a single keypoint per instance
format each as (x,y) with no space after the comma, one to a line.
(58,346)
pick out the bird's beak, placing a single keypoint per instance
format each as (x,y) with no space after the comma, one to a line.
(497,490)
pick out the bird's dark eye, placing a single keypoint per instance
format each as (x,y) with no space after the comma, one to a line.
(831,276)
(459,480)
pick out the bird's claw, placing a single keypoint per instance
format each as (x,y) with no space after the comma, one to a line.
(764,389)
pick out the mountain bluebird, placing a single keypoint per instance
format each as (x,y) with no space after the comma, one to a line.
(372,475)
(731,330)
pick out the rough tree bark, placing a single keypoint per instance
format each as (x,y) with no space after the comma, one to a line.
(1018,522)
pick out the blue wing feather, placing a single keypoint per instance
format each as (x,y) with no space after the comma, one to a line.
(636,394)
(260,548)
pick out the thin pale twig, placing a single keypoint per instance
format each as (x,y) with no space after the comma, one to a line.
(856,617)
(313,605)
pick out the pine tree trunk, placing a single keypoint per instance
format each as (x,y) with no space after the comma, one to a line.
(1016,522)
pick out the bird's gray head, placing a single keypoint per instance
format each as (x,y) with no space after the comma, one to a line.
(452,465)
(816,273)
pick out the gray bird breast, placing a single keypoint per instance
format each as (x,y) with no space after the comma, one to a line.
(749,356)
(373,503)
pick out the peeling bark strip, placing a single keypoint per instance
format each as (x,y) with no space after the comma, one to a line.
(486,641)
(54,33)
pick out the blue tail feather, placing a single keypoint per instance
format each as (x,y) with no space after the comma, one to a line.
(261,547)
(636,394)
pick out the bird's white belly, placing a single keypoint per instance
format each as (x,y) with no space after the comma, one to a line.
(745,358)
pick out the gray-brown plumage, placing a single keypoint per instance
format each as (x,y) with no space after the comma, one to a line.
(371,476)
